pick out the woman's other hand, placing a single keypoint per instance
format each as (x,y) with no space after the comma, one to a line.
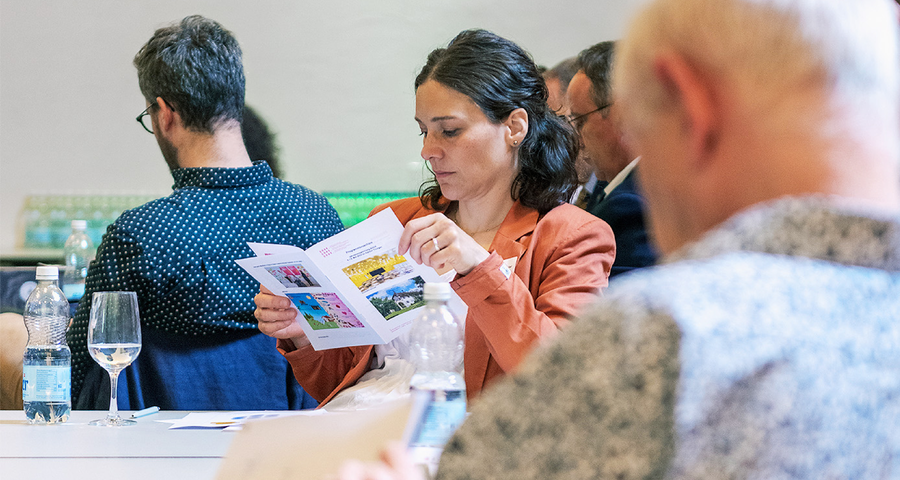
(439,243)
(277,317)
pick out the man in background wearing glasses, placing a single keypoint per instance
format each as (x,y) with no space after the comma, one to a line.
(615,197)
(201,346)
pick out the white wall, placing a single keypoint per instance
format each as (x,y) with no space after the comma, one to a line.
(334,79)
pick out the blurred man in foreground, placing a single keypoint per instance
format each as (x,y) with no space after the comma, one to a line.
(616,198)
(767,343)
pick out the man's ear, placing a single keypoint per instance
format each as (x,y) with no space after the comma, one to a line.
(517,122)
(166,116)
(694,100)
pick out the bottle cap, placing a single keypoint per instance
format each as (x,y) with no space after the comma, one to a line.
(47,273)
(437,291)
(79,225)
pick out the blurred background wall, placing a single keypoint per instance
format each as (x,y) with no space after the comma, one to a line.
(333,80)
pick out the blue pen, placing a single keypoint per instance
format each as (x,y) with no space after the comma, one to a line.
(145,412)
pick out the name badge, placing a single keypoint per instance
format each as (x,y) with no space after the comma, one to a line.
(508,266)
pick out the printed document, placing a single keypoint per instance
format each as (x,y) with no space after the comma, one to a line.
(353,288)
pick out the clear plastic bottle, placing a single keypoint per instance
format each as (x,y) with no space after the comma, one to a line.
(436,342)
(37,223)
(99,207)
(79,251)
(59,220)
(47,363)
(30,216)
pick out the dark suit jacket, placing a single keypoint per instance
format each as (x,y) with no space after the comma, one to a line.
(623,210)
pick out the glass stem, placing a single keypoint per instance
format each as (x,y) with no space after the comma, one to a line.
(113,393)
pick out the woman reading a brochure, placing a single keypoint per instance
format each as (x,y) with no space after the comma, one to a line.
(494,216)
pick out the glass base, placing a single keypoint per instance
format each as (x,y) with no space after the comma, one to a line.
(112,422)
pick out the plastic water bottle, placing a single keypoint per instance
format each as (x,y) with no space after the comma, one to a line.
(436,343)
(79,253)
(37,223)
(58,210)
(47,364)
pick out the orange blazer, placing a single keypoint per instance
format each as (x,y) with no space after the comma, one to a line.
(562,262)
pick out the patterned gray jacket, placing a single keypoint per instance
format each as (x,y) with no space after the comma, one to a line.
(768,349)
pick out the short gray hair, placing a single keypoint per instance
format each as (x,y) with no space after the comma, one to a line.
(771,49)
(196,66)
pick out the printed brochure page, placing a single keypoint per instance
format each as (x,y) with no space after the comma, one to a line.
(353,288)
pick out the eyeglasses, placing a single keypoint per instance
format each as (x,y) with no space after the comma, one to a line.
(148,123)
(578,121)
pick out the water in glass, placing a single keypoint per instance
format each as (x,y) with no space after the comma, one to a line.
(114,340)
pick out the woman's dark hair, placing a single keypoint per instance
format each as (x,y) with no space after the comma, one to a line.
(259,140)
(500,77)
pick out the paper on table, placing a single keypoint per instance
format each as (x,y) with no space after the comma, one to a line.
(313,446)
(232,419)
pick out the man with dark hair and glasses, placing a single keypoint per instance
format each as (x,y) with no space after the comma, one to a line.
(615,197)
(201,346)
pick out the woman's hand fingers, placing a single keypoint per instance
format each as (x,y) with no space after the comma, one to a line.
(269,301)
(451,247)
(419,231)
(412,227)
(278,317)
(281,329)
(396,465)
(439,243)
(398,459)
(442,248)
(271,308)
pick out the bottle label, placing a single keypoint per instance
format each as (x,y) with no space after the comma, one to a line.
(444,412)
(46,384)
(73,291)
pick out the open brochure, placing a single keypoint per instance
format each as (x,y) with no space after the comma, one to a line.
(353,288)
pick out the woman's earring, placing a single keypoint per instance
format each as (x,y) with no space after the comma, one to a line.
(515,143)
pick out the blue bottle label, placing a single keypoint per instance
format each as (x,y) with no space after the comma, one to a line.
(444,413)
(73,291)
(46,384)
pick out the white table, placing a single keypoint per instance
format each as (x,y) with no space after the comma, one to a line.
(74,450)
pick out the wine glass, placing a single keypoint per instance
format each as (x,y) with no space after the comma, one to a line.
(114,340)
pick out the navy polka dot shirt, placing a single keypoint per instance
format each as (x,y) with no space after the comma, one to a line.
(178,252)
